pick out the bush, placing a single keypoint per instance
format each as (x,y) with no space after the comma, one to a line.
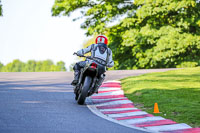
(187,64)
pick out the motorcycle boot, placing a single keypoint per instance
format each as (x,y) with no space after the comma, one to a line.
(76,78)
(99,83)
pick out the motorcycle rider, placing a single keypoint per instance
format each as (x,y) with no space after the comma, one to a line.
(100,53)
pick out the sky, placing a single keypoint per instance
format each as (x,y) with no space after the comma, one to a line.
(29,32)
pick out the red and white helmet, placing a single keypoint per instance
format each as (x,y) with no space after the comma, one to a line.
(102,39)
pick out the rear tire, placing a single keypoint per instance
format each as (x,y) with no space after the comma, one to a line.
(84,90)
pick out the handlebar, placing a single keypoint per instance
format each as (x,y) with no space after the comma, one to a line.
(89,57)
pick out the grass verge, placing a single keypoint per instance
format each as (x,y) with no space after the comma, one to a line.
(177,93)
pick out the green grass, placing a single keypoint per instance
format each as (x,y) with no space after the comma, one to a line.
(177,93)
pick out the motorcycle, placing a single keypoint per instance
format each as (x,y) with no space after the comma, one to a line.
(89,80)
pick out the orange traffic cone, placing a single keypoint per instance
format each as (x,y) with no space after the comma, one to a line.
(156,110)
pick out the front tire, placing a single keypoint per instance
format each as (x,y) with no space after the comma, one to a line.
(84,90)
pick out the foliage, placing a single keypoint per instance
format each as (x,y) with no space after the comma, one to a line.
(32,66)
(158,35)
(1,9)
(176,92)
(15,66)
(97,12)
(187,64)
(61,66)
(152,34)
(1,65)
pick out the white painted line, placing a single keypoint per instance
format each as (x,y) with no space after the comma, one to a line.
(111,81)
(107,99)
(119,92)
(108,88)
(114,102)
(141,120)
(117,109)
(127,114)
(169,127)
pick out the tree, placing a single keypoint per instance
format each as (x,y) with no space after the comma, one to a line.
(15,66)
(61,66)
(46,65)
(98,13)
(1,66)
(1,9)
(38,67)
(153,33)
(30,66)
(163,33)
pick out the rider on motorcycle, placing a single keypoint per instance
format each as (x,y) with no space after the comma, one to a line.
(100,53)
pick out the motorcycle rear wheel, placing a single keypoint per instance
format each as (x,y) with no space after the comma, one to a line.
(84,90)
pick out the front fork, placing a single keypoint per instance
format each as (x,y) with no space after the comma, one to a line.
(78,86)
(80,77)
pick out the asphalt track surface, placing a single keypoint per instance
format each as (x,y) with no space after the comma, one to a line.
(44,102)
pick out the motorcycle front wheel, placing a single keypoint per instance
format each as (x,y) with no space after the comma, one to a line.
(84,90)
